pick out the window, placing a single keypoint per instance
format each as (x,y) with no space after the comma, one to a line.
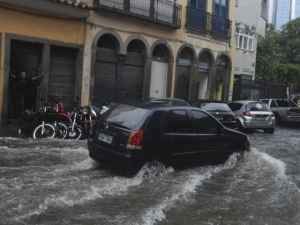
(203,123)
(285,103)
(240,42)
(198,4)
(215,107)
(245,42)
(178,122)
(126,116)
(257,106)
(235,106)
(221,8)
(273,103)
(250,44)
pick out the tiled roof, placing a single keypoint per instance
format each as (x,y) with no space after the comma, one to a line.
(76,3)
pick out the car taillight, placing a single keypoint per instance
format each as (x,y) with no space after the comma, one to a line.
(135,140)
(247,113)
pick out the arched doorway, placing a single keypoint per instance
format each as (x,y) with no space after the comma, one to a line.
(185,60)
(201,82)
(106,70)
(222,77)
(159,71)
(132,78)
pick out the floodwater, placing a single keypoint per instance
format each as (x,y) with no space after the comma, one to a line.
(56,183)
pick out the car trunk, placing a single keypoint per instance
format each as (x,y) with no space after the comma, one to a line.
(112,136)
(260,116)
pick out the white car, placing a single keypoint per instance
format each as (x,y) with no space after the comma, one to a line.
(253,115)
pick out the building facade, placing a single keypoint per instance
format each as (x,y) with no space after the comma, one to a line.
(158,48)
(250,23)
(99,51)
(40,41)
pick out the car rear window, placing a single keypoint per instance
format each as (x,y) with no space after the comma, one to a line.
(257,106)
(218,107)
(235,106)
(126,116)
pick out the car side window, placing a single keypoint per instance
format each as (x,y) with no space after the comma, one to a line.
(178,122)
(273,103)
(203,123)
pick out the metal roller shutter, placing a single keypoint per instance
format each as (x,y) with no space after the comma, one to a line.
(105,76)
(63,75)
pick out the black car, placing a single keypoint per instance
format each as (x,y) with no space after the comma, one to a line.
(164,102)
(128,136)
(221,111)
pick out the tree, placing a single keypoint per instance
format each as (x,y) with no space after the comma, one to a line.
(290,42)
(288,74)
(269,55)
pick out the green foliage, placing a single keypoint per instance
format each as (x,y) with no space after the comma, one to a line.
(278,54)
(269,55)
(287,73)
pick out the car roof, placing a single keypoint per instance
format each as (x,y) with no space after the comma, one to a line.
(244,101)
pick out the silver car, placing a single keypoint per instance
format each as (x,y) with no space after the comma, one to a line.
(254,115)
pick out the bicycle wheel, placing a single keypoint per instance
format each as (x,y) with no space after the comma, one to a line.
(61,130)
(44,130)
(75,134)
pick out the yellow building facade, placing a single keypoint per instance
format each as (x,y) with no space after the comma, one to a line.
(192,64)
(35,43)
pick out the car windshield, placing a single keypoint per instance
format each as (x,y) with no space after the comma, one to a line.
(215,107)
(126,116)
(285,103)
(257,106)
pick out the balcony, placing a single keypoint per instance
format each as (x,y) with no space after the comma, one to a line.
(164,12)
(201,22)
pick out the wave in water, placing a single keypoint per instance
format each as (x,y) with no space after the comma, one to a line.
(157,213)
(112,186)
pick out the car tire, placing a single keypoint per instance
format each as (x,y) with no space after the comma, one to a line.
(269,130)
(277,118)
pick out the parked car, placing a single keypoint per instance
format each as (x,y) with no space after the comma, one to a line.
(253,115)
(284,110)
(128,136)
(220,110)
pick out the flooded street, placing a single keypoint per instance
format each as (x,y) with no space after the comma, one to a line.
(56,183)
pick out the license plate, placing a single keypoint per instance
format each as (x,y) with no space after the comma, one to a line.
(105,138)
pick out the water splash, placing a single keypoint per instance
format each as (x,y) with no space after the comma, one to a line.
(182,192)
(110,186)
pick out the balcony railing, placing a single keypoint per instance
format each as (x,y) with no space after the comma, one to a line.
(201,22)
(163,12)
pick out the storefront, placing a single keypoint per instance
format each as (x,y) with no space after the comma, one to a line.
(41,56)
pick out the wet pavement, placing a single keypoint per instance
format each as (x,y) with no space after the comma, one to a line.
(56,183)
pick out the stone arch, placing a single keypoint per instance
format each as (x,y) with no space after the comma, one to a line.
(106,51)
(223,67)
(200,84)
(162,44)
(184,71)
(190,48)
(116,35)
(161,70)
(139,38)
(206,53)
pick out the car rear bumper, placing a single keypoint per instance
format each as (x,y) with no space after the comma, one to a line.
(258,124)
(114,159)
